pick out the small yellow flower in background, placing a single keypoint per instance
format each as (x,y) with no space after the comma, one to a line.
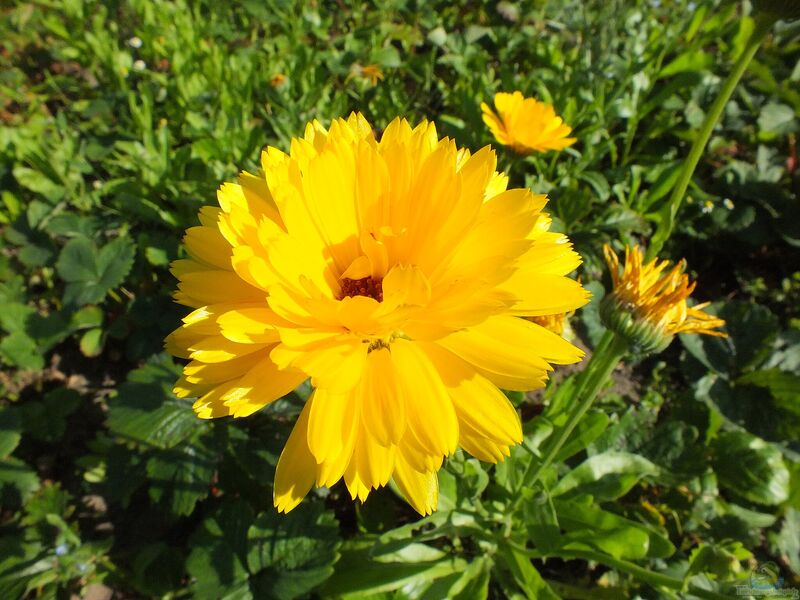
(372,73)
(525,124)
(277,79)
(648,301)
(393,274)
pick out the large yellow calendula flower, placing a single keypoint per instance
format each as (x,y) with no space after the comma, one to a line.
(648,301)
(391,273)
(526,124)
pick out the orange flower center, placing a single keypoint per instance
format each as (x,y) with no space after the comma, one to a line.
(366,286)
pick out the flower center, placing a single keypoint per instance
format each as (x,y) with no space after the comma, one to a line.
(366,286)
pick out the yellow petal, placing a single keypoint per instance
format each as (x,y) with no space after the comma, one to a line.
(249,326)
(405,285)
(337,367)
(261,385)
(374,463)
(477,401)
(294,474)
(383,407)
(215,287)
(539,295)
(329,423)
(215,349)
(207,245)
(482,447)
(511,352)
(420,489)
(214,373)
(429,410)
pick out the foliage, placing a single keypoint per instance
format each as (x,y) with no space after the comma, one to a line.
(118,120)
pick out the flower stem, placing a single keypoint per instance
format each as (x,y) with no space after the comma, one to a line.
(763,24)
(605,358)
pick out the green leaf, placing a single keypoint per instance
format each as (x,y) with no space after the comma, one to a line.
(181,475)
(217,560)
(90,272)
(695,60)
(784,387)
(217,574)
(10,430)
(14,316)
(158,569)
(606,476)
(37,182)
(787,541)
(622,542)
(720,562)
(588,523)
(91,343)
(46,420)
(18,482)
(525,574)
(751,329)
(22,559)
(86,317)
(294,553)
(19,350)
(50,499)
(777,119)
(357,574)
(146,411)
(474,582)
(539,515)
(589,428)
(751,468)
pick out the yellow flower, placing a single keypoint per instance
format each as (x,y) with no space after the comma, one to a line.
(393,275)
(526,124)
(372,72)
(648,302)
(277,79)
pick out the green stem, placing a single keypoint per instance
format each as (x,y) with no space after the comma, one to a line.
(605,358)
(763,24)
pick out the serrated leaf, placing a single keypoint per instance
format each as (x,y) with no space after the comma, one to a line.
(14,315)
(158,569)
(146,411)
(292,553)
(180,476)
(46,419)
(751,468)
(50,499)
(90,272)
(219,547)
(17,482)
